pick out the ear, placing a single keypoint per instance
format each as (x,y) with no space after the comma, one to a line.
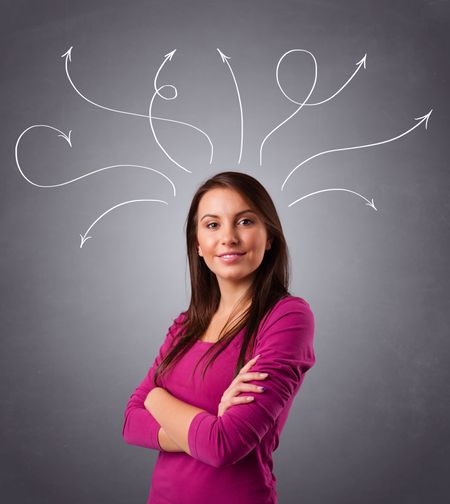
(269,244)
(199,250)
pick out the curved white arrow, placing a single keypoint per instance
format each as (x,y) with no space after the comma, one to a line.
(152,127)
(423,119)
(301,105)
(225,60)
(85,237)
(68,57)
(157,92)
(368,202)
(168,57)
(361,63)
(69,141)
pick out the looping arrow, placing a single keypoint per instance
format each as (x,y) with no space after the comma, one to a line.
(68,139)
(68,58)
(157,93)
(168,57)
(301,104)
(361,64)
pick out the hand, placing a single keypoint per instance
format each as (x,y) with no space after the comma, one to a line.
(237,386)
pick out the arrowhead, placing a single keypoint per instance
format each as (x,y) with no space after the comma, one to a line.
(170,55)
(362,61)
(372,204)
(424,118)
(84,239)
(68,54)
(67,137)
(223,56)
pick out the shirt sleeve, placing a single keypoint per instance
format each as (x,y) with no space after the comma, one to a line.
(285,342)
(140,428)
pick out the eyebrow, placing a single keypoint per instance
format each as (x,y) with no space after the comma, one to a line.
(239,213)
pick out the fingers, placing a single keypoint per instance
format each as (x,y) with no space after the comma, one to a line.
(253,376)
(245,375)
(249,364)
(242,399)
(250,387)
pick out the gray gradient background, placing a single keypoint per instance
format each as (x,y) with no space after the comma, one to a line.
(80,327)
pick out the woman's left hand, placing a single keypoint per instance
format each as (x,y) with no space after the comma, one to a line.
(230,396)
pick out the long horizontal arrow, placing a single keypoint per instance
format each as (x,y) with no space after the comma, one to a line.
(423,119)
(368,202)
(68,139)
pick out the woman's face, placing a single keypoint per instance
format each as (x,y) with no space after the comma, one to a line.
(227,224)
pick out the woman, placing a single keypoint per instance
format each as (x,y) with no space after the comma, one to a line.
(216,430)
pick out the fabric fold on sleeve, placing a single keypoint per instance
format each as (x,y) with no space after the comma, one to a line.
(285,343)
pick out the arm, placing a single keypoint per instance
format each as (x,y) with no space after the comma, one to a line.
(166,443)
(285,343)
(140,428)
(173,414)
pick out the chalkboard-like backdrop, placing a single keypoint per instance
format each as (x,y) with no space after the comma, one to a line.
(80,325)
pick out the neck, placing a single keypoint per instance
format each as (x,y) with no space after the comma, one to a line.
(233,297)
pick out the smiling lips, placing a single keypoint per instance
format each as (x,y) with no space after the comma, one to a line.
(232,252)
(231,257)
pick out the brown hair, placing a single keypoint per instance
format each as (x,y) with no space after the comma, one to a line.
(269,286)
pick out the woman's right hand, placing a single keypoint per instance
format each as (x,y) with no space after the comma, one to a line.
(230,396)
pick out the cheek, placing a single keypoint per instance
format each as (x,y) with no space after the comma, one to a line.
(257,241)
(207,243)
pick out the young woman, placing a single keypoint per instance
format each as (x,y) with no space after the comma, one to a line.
(216,430)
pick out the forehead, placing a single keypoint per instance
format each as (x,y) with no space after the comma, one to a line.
(222,201)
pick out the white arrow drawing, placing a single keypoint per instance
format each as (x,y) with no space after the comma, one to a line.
(368,202)
(157,93)
(360,64)
(84,237)
(168,57)
(301,104)
(68,58)
(423,119)
(67,138)
(225,59)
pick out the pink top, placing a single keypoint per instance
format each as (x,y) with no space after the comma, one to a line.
(231,457)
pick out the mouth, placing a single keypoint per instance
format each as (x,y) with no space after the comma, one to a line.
(231,254)
(231,258)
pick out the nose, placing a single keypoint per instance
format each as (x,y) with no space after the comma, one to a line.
(229,234)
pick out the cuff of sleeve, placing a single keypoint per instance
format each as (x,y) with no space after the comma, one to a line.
(141,429)
(154,431)
(193,429)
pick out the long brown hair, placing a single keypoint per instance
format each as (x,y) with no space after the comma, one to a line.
(269,285)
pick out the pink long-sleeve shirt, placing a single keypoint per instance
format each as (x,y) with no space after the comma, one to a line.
(231,455)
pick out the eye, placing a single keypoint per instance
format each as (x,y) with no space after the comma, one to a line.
(242,220)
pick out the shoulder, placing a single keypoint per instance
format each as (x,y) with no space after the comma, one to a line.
(177,325)
(288,327)
(294,306)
